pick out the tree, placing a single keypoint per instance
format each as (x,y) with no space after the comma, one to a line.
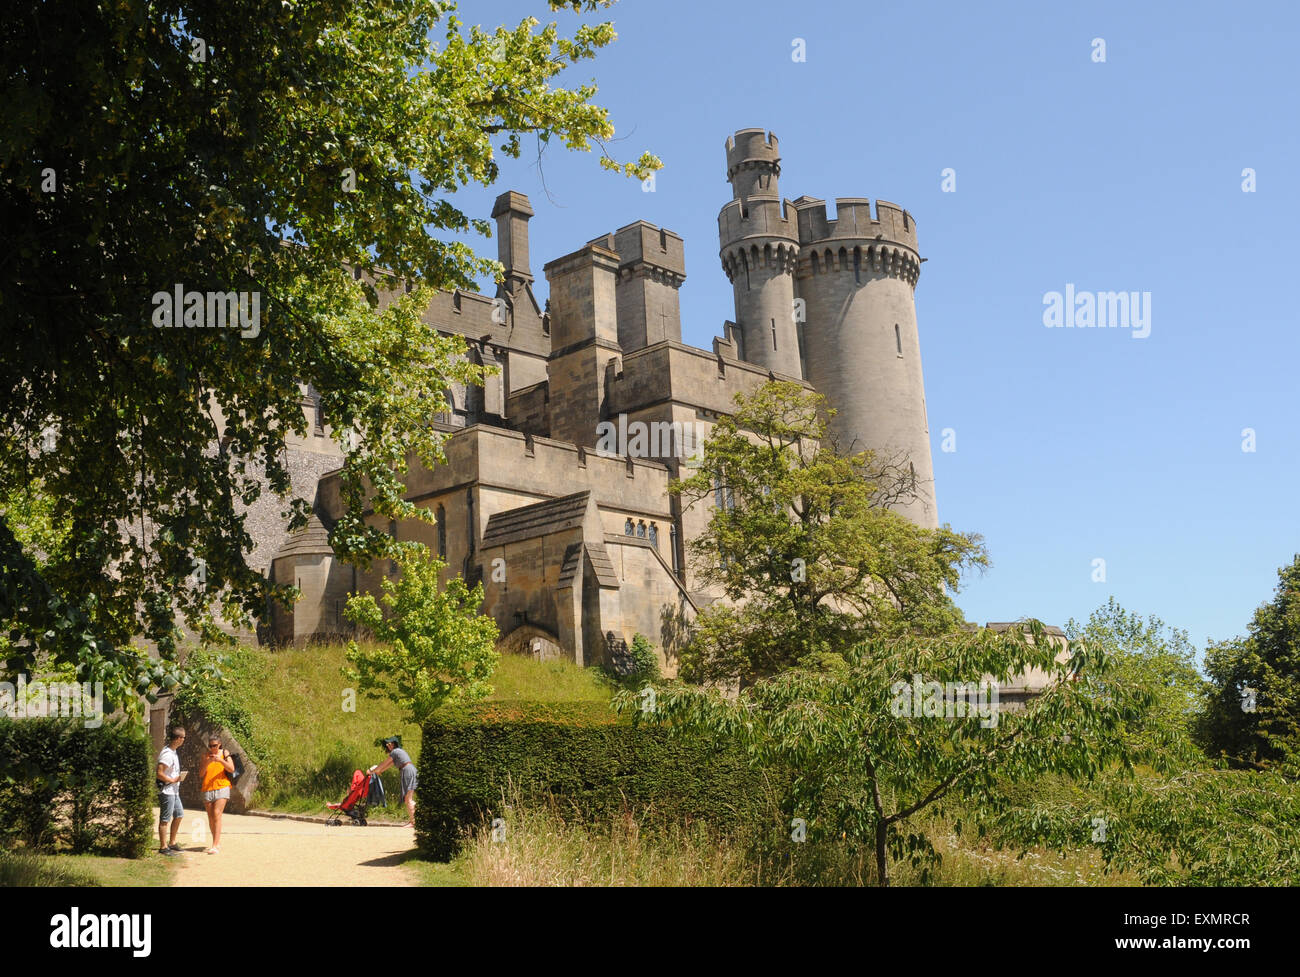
(1146,654)
(234,148)
(1252,706)
(434,647)
(1178,820)
(871,743)
(804,545)
(1197,826)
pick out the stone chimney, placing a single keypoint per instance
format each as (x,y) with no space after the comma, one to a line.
(512,211)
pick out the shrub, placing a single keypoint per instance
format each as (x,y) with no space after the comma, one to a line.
(579,754)
(67,786)
(637,665)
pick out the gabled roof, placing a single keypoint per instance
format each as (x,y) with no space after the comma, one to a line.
(538,519)
(601,565)
(312,540)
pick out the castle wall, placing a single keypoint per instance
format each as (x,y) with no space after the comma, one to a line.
(656,608)
(526,369)
(529,410)
(672,372)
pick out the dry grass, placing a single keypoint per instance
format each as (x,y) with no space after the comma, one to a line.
(543,847)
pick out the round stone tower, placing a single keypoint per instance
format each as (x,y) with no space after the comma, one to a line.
(760,249)
(857,275)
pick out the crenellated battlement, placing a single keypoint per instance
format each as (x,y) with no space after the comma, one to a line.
(759,218)
(753,163)
(752,143)
(854,221)
(643,243)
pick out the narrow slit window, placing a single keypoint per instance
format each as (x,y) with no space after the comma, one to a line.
(898,339)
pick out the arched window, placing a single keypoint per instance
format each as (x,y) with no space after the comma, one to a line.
(640,530)
(629,529)
(654,536)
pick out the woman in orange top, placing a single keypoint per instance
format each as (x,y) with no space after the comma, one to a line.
(216,765)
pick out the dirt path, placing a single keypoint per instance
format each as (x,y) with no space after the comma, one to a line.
(263,851)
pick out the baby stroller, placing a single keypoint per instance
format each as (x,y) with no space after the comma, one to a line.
(355,804)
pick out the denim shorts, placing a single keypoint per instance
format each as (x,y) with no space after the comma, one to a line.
(216,795)
(169,808)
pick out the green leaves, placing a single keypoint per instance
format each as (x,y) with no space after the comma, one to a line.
(806,539)
(432,646)
(294,146)
(866,758)
(1144,654)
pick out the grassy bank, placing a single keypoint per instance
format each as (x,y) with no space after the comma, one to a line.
(294,707)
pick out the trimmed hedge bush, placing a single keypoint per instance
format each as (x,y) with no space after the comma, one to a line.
(583,756)
(63,786)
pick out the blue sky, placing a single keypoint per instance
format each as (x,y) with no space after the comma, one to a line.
(1071,444)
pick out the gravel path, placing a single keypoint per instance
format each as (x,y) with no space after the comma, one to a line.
(263,851)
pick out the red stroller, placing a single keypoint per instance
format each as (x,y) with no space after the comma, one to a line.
(354,805)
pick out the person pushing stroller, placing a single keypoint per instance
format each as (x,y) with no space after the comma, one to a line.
(399,758)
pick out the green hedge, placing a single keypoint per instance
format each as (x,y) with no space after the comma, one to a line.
(63,786)
(583,756)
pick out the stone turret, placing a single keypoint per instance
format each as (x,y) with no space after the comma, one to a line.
(856,276)
(760,249)
(651,268)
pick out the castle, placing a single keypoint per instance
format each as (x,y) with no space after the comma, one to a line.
(579,547)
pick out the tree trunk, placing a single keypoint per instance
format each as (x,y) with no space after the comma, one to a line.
(882,858)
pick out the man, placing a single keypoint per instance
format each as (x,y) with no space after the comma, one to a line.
(169,793)
(399,758)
